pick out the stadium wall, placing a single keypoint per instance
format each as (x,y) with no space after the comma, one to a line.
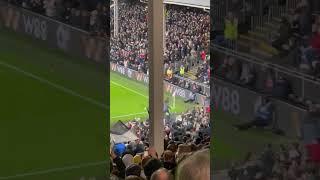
(168,87)
(59,35)
(205,88)
(242,103)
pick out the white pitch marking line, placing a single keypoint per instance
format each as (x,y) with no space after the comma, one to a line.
(57,86)
(129,89)
(54,170)
(128,115)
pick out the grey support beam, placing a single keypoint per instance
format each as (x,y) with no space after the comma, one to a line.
(155,37)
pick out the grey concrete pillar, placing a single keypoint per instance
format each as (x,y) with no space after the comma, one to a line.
(155,37)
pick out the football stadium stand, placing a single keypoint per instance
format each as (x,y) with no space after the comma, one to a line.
(270,49)
(187,59)
(186,64)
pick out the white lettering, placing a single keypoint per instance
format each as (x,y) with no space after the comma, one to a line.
(129,72)
(35,27)
(227,99)
(121,70)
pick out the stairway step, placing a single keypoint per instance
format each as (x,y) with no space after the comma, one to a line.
(247,43)
(250,40)
(260,53)
(277,19)
(268,48)
(273,25)
(267,28)
(263,29)
(243,46)
(259,35)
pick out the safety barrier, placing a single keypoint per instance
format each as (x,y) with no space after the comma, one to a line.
(243,102)
(304,85)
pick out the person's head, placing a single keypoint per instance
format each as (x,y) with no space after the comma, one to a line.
(266,100)
(119,149)
(151,166)
(134,178)
(161,174)
(133,169)
(184,148)
(129,147)
(168,156)
(172,146)
(195,167)
(127,160)
(137,159)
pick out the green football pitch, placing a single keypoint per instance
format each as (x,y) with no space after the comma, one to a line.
(231,146)
(53,120)
(129,99)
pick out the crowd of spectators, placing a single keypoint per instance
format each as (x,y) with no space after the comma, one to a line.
(129,48)
(290,162)
(298,36)
(246,74)
(265,80)
(187,40)
(89,15)
(187,43)
(295,38)
(186,150)
(190,85)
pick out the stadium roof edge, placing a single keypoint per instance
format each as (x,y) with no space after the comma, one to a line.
(205,4)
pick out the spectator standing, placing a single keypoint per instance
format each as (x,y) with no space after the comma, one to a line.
(50,7)
(263,116)
(231,30)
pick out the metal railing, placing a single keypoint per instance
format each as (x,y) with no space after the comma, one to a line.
(292,4)
(304,85)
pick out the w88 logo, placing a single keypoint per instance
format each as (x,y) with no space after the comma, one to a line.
(227,99)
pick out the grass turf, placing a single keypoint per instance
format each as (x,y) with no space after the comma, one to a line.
(129,99)
(231,145)
(53,117)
